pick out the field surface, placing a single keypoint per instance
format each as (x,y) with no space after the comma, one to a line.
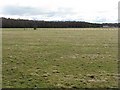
(60,58)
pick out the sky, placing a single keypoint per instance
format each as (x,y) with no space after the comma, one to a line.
(94,11)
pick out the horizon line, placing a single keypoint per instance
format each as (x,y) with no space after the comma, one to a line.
(61,20)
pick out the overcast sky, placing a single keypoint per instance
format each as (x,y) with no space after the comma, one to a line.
(98,11)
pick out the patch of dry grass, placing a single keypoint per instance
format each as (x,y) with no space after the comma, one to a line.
(52,58)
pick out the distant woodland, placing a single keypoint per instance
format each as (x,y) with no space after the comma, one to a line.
(23,23)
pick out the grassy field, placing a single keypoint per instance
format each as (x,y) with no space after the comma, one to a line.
(60,58)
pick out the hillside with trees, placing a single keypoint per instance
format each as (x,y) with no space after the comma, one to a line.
(24,23)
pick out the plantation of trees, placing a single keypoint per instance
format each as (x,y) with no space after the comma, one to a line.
(21,23)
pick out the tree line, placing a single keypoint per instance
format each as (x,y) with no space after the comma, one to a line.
(22,23)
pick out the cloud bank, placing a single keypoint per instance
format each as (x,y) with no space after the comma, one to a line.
(52,10)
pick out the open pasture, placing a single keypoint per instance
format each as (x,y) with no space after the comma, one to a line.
(60,58)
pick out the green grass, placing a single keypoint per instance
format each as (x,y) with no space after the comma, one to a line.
(55,58)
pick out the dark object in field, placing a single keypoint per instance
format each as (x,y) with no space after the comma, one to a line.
(35,28)
(92,76)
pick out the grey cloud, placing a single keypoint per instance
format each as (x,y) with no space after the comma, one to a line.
(20,10)
(100,19)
